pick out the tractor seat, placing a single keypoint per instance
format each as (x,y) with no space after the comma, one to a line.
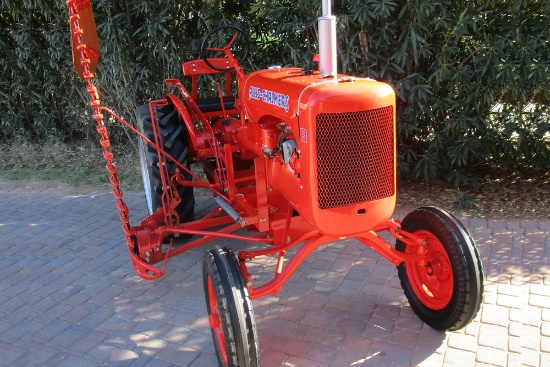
(214,104)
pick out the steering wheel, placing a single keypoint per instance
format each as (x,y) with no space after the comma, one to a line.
(210,42)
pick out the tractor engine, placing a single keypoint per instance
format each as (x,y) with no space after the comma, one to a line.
(329,143)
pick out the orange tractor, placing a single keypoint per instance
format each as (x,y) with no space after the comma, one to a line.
(295,157)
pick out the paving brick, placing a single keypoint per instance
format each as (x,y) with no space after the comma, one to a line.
(122,358)
(455,357)
(11,353)
(321,353)
(311,333)
(527,315)
(101,353)
(25,327)
(404,337)
(411,323)
(388,351)
(87,342)
(140,361)
(200,341)
(497,315)
(71,360)
(431,340)
(379,328)
(493,336)
(126,339)
(515,344)
(433,360)
(531,358)
(208,360)
(354,326)
(545,344)
(151,347)
(323,320)
(538,300)
(178,355)
(295,361)
(343,307)
(63,339)
(463,342)
(289,345)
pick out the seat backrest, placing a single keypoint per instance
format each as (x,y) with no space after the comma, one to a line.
(195,68)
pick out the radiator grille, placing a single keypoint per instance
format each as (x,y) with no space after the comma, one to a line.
(355,157)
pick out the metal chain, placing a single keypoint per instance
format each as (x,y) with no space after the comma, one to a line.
(95,102)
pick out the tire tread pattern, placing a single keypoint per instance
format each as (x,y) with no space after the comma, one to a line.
(466,265)
(173,136)
(234,306)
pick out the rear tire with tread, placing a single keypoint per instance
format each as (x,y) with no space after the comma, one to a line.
(174,142)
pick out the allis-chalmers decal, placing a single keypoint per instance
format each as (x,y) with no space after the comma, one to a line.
(267,96)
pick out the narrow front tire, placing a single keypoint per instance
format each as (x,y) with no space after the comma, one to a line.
(230,314)
(447,292)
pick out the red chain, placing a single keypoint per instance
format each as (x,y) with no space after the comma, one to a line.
(73,6)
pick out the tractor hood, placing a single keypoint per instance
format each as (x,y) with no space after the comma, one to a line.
(274,92)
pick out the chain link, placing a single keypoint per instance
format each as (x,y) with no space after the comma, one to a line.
(73,6)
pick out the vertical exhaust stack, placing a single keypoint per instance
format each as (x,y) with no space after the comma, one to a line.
(327,41)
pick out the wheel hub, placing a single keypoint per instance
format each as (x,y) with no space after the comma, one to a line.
(432,279)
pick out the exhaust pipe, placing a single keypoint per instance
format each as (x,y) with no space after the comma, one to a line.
(327,41)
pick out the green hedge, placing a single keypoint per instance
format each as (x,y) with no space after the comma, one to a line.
(471,77)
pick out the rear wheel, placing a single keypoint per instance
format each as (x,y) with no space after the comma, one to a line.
(173,139)
(230,312)
(447,292)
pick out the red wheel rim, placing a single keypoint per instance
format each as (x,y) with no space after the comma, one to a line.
(215,322)
(432,281)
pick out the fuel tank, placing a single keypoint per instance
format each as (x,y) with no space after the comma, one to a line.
(345,135)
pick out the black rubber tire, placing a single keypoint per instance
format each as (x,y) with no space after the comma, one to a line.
(467,271)
(232,306)
(173,138)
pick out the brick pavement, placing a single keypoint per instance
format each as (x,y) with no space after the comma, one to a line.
(69,297)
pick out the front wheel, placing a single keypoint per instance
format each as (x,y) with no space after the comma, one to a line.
(230,312)
(447,292)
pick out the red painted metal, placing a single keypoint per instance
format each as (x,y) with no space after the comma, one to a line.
(79,36)
(84,41)
(215,321)
(432,279)
(197,68)
(282,275)
(299,160)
